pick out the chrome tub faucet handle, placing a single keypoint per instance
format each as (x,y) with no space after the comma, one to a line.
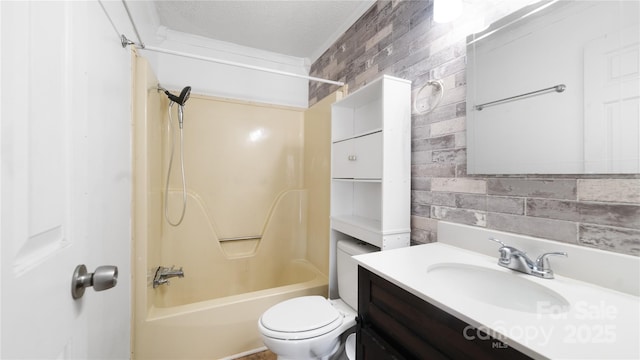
(164,273)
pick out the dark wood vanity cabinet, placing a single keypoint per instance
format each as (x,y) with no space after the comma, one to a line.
(394,324)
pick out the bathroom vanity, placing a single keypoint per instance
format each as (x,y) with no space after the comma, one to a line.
(451,300)
(395,324)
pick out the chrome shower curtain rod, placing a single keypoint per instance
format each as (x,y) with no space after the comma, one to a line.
(125,42)
(237,64)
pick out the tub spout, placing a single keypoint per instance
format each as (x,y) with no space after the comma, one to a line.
(164,273)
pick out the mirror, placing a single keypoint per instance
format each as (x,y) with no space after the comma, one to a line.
(554,89)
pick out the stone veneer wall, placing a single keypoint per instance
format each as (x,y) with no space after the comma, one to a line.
(399,38)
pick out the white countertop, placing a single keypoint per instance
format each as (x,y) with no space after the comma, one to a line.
(601,323)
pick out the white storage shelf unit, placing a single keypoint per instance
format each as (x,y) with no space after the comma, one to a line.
(371,164)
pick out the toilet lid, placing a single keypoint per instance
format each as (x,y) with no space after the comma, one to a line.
(300,318)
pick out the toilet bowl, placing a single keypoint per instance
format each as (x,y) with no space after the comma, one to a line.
(307,327)
(310,327)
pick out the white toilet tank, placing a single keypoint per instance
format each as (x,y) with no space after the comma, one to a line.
(347,269)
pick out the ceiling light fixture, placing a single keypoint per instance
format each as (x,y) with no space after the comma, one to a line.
(445,11)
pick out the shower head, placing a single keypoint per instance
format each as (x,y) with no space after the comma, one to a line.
(184,95)
(181,99)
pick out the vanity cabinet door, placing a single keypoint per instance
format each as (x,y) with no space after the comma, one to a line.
(415,329)
(373,347)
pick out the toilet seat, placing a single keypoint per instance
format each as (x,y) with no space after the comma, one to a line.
(300,318)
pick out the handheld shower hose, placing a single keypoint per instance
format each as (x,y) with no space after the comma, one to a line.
(180,100)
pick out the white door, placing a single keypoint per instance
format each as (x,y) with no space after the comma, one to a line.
(65,180)
(612,103)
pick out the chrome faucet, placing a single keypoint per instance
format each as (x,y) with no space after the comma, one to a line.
(164,273)
(517,260)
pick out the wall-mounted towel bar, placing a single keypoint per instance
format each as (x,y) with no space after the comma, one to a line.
(254,237)
(558,88)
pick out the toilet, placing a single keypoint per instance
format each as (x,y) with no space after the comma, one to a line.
(311,327)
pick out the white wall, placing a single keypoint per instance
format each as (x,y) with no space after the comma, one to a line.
(208,78)
(175,72)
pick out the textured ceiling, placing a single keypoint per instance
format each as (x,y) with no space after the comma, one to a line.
(302,29)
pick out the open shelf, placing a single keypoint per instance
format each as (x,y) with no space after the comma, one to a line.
(357,118)
(365,229)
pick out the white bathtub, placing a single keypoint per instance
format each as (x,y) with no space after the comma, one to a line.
(221,327)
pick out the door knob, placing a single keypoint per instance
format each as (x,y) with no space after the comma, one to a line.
(105,277)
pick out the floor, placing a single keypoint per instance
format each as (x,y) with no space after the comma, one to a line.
(263,355)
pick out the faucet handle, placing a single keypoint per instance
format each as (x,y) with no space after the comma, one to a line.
(542,263)
(498,241)
(505,252)
(542,267)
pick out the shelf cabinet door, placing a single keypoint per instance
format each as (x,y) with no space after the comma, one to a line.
(342,167)
(358,158)
(368,152)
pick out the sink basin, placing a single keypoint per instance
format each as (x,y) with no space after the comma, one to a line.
(497,288)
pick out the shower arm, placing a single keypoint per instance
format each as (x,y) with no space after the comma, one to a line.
(179,99)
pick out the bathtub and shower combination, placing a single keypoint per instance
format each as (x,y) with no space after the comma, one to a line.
(249,238)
